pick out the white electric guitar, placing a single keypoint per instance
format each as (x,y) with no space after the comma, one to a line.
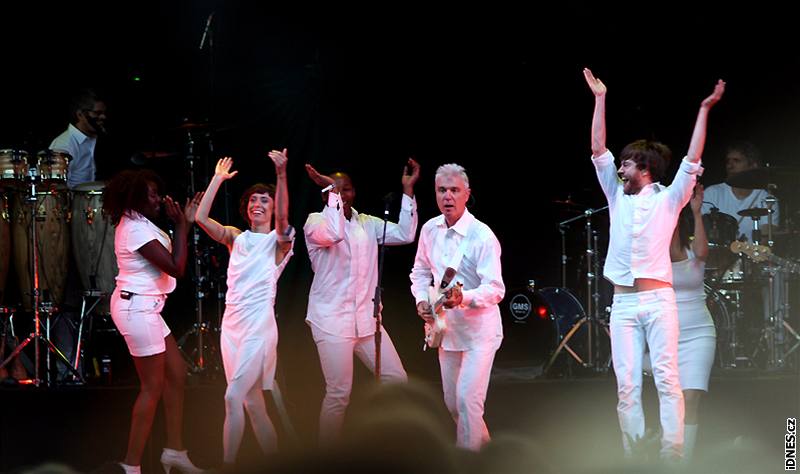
(434,332)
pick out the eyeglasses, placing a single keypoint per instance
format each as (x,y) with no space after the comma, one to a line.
(95,113)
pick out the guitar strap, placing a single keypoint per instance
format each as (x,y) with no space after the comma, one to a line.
(455,262)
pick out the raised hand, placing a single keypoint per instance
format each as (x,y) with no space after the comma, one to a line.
(223,169)
(595,84)
(321,180)
(280,158)
(715,96)
(410,179)
(190,208)
(697,198)
(174,212)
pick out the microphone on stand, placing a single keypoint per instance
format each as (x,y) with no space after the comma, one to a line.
(205,31)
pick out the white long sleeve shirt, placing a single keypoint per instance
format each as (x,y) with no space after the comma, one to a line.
(476,324)
(344,258)
(642,224)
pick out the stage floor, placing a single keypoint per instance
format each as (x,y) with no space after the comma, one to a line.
(572,421)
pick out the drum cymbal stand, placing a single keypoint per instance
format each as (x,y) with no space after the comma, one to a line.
(773,334)
(201,329)
(37,337)
(592,318)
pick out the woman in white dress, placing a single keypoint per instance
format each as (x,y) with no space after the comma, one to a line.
(249,339)
(697,340)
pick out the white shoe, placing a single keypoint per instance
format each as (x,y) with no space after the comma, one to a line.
(178,459)
(130,469)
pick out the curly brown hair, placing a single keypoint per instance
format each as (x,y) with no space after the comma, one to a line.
(258,188)
(127,191)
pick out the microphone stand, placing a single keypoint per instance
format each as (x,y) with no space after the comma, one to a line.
(376,313)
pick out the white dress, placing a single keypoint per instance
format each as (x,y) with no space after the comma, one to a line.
(698,338)
(249,339)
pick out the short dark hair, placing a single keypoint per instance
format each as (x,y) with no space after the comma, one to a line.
(748,149)
(648,155)
(258,188)
(82,100)
(127,191)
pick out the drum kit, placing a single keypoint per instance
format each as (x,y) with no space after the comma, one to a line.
(747,284)
(747,290)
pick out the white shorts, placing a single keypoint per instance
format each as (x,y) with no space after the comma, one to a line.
(139,321)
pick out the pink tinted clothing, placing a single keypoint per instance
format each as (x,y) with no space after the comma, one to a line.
(642,224)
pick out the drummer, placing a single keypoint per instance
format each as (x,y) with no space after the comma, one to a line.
(88,119)
(740,156)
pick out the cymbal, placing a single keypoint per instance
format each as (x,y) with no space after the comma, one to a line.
(158,155)
(762,178)
(568,203)
(145,157)
(193,126)
(754,212)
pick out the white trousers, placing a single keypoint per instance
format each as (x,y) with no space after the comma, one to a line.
(649,317)
(465,381)
(336,358)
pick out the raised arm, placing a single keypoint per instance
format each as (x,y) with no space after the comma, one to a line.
(326,228)
(222,234)
(406,228)
(599,118)
(173,264)
(281,158)
(700,242)
(699,133)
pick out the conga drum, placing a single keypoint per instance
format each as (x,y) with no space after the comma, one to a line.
(53,165)
(50,216)
(93,241)
(13,168)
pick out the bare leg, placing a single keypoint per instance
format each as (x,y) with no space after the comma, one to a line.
(151,379)
(173,394)
(692,402)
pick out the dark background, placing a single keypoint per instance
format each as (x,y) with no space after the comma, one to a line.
(500,92)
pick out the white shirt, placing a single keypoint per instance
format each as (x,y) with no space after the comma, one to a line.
(136,273)
(344,257)
(476,323)
(642,224)
(81,148)
(721,196)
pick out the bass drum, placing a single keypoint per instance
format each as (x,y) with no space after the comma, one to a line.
(722,306)
(93,242)
(535,323)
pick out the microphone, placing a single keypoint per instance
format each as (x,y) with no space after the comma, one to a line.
(448,276)
(205,31)
(390,197)
(328,188)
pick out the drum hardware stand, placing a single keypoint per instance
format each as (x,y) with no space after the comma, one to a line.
(38,306)
(592,317)
(85,313)
(773,335)
(197,360)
